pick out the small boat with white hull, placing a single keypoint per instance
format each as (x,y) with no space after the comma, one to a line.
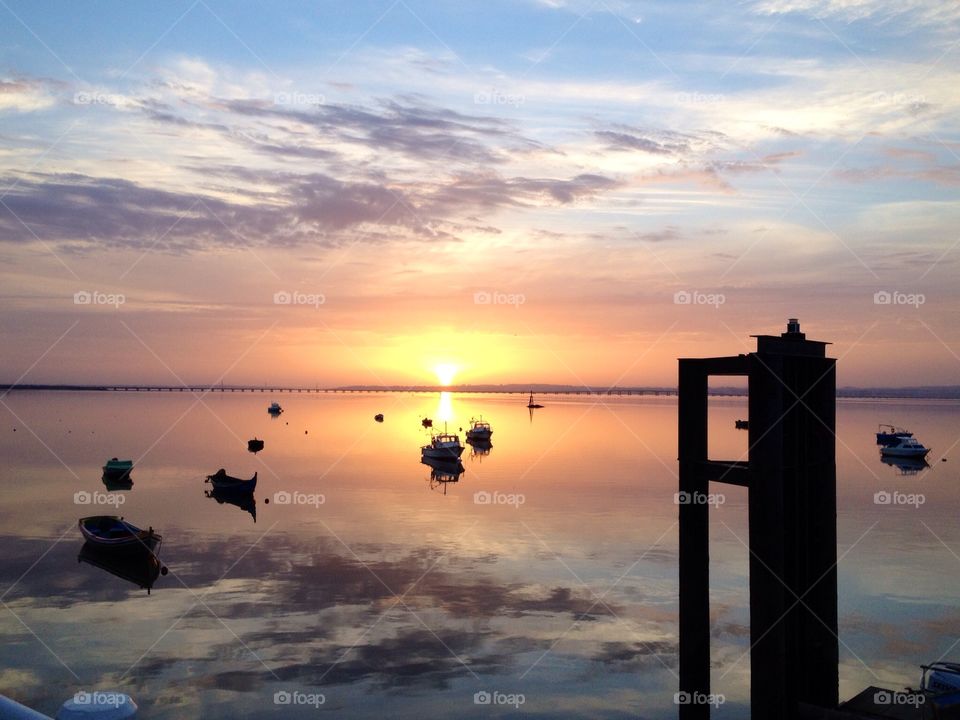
(479,430)
(444,446)
(905,447)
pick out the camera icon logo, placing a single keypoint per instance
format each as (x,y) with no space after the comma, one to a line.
(282,498)
(282,697)
(482,698)
(482,297)
(882,297)
(82,498)
(682,297)
(282,297)
(882,498)
(82,298)
(482,497)
(82,698)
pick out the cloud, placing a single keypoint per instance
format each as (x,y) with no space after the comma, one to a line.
(23,95)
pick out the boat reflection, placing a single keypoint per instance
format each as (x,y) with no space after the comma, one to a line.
(113,484)
(479,447)
(443,472)
(245,501)
(905,465)
(141,569)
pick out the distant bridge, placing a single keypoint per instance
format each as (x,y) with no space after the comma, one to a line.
(278,389)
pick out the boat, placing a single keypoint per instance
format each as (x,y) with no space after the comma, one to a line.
(117,470)
(112,533)
(141,569)
(741,424)
(479,430)
(113,484)
(378,417)
(274,408)
(905,447)
(531,404)
(227,483)
(444,446)
(255,445)
(243,500)
(889,434)
(427,423)
(940,678)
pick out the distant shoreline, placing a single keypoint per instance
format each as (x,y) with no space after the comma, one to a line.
(947,392)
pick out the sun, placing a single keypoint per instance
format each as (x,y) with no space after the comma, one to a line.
(445,372)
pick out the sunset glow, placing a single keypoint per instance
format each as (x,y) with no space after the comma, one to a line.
(445,373)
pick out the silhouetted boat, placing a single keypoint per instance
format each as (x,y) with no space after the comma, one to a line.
(378,417)
(889,434)
(479,430)
(741,424)
(531,403)
(427,423)
(940,678)
(274,408)
(114,534)
(255,445)
(444,446)
(227,483)
(243,500)
(117,469)
(141,569)
(905,447)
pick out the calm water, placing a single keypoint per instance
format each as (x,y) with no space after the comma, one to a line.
(399,595)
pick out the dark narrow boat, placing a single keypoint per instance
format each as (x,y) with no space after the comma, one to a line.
(255,445)
(117,470)
(741,424)
(112,533)
(221,481)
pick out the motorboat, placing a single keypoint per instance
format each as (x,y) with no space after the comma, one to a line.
(117,470)
(227,483)
(255,445)
(444,446)
(940,678)
(904,447)
(274,408)
(531,404)
(479,430)
(889,434)
(114,534)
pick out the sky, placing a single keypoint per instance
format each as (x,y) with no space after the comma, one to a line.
(556,191)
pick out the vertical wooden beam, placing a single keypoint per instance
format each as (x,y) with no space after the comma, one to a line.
(694,542)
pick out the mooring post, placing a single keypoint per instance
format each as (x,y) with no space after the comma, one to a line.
(791,479)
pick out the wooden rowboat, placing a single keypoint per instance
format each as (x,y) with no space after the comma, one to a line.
(221,481)
(109,532)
